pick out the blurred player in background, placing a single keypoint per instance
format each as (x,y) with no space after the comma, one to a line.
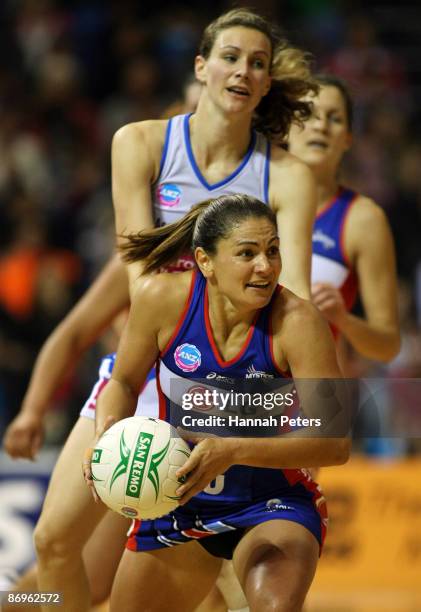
(353,251)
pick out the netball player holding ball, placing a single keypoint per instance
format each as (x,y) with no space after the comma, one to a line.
(231,313)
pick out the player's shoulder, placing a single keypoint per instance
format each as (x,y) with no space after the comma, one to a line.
(150,133)
(300,333)
(294,315)
(284,162)
(162,293)
(364,214)
(292,305)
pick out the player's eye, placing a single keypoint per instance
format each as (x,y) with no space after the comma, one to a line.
(336,118)
(273,251)
(246,253)
(258,63)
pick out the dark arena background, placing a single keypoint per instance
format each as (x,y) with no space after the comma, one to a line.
(71,73)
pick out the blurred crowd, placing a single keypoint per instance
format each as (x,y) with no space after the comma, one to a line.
(73,72)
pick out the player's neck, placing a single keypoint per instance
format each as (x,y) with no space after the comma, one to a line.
(326,190)
(225,316)
(222,137)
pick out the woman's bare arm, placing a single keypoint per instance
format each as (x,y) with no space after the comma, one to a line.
(369,242)
(292,195)
(60,353)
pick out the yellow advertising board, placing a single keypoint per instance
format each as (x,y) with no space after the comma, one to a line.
(372,556)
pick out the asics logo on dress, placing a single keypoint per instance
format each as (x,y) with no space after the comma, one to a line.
(215,376)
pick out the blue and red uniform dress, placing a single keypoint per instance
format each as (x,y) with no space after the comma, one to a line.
(243,496)
(330,263)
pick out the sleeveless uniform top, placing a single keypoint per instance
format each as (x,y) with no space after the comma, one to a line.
(191,359)
(329,261)
(180,184)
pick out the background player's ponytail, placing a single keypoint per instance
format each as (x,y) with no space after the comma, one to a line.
(203,226)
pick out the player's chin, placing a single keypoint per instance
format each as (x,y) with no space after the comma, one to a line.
(258,298)
(238,104)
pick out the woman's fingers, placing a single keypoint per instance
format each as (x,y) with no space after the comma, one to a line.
(35,444)
(23,440)
(195,484)
(87,472)
(87,457)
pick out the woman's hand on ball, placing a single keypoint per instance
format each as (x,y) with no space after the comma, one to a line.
(208,459)
(87,456)
(87,471)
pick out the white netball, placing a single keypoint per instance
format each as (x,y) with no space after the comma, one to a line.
(134,465)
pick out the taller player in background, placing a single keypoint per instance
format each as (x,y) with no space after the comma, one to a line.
(252,89)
